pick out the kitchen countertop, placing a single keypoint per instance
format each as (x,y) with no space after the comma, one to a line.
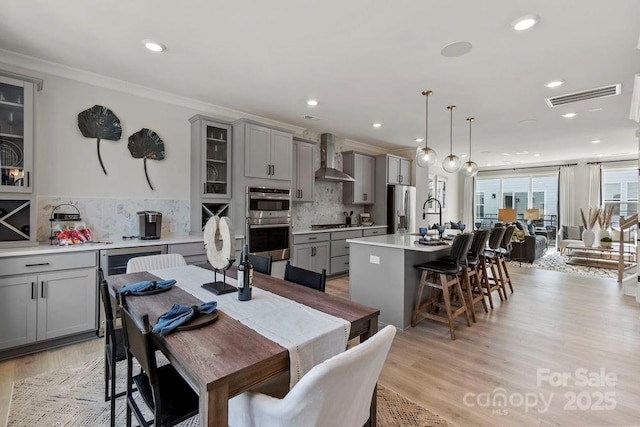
(44,248)
(325,230)
(397,241)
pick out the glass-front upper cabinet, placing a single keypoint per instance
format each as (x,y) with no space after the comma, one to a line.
(212,168)
(16,136)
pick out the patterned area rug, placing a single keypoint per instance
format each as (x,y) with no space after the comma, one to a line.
(74,397)
(556,262)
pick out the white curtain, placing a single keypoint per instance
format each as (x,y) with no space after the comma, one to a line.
(468,203)
(594,185)
(567,208)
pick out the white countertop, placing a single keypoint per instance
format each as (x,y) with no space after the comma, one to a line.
(42,249)
(398,241)
(328,230)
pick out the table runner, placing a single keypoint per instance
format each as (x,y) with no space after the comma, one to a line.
(311,336)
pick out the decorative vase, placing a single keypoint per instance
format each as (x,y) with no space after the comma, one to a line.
(606,244)
(604,233)
(588,237)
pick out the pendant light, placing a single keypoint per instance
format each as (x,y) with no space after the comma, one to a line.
(470,168)
(425,156)
(451,163)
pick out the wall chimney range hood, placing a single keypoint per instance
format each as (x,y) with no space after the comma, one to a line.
(327,171)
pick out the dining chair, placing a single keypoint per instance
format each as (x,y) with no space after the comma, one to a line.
(162,389)
(445,270)
(307,278)
(155,262)
(261,264)
(336,392)
(114,350)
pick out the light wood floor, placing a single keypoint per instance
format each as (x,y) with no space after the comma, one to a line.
(553,320)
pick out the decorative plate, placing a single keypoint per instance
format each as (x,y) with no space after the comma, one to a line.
(212,173)
(199,321)
(10,154)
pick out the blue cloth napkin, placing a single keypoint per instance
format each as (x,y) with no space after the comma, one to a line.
(181,314)
(145,286)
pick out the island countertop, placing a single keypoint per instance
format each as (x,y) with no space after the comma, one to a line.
(398,241)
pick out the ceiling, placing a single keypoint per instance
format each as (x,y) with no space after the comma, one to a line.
(368,61)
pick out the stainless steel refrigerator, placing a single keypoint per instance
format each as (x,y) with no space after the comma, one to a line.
(401,209)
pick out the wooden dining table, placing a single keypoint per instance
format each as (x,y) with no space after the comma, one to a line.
(227,358)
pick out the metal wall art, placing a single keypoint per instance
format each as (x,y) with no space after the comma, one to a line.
(101,123)
(146,144)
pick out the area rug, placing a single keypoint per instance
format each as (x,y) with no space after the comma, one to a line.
(73,397)
(556,262)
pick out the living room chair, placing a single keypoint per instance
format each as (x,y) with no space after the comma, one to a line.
(445,271)
(261,264)
(336,392)
(162,389)
(114,350)
(155,262)
(307,278)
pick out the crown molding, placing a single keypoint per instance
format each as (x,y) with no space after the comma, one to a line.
(362,147)
(29,64)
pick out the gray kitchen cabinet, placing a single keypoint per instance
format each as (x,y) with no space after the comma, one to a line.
(303,172)
(398,170)
(193,253)
(363,169)
(268,153)
(47,296)
(340,250)
(374,231)
(312,256)
(210,158)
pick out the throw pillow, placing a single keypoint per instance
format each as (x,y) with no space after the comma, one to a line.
(455,225)
(532,230)
(575,233)
(519,225)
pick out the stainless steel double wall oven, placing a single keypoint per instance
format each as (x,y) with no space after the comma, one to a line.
(269,221)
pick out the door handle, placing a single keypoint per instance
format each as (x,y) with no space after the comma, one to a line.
(42,289)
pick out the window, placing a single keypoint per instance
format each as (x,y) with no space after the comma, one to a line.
(479,205)
(620,190)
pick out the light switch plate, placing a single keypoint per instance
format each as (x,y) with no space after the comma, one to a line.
(373,259)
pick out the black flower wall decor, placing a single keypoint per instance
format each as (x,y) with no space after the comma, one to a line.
(146,144)
(101,123)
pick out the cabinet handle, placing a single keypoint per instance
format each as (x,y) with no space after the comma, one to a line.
(42,289)
(312,238)
(346,247)
(313,251)
(33,290)
(346,263)
(36,265)
(28,179)
(365,196)
(273,169)
(204,187)
(301,193)
(400,178)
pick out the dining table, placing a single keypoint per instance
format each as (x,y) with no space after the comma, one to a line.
(226,358)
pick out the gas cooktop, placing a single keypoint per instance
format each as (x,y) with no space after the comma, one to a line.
(326,226)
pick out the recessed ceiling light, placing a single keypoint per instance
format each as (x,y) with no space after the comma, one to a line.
(456,49)
(554,83)
(595,141)
(488,164)
(463,155)
(312,103)
(377,125)
(154,46)
(599,155)
(419,139)
(569,115)
(593,110)
(536,155)
(525,22)
(506,154)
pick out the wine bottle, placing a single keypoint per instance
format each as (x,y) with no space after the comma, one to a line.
(245,276)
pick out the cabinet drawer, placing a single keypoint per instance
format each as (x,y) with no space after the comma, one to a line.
(374,232)
(196,259)
(49,262)
(339,264)
(187,249)
(349,234)
(339,248)
(311,238)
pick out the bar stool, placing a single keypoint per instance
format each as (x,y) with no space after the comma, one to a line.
(471,272)
(503,251)
(489,260)
(446,272)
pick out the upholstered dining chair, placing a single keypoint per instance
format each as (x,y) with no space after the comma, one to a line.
(162,389)
(307,278)
(489,262)
(261,264)
(471,272)
(336,392)
(114,350)
(155,262)
(503,252)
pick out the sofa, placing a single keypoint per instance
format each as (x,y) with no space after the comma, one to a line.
(534,247)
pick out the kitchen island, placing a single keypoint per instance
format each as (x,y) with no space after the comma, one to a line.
(382,274)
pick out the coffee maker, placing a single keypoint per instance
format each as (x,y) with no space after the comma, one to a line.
(150,224)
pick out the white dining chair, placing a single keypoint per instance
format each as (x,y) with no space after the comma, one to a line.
(155,262)
(336,392)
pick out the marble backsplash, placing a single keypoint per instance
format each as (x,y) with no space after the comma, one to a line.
(113,218)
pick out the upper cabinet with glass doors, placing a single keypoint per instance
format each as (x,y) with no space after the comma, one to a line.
(211,158)
(16,136)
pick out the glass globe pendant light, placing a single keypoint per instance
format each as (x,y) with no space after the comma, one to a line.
(425,156)
(470,168)
(451,163)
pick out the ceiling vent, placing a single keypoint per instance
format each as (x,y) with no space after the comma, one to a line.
(600,92)
(310,117)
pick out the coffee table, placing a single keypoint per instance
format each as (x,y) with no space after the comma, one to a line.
(599,256)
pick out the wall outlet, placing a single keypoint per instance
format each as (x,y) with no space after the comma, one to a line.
(373,259)
(172,227)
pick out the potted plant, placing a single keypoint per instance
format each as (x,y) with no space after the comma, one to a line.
(606,242)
